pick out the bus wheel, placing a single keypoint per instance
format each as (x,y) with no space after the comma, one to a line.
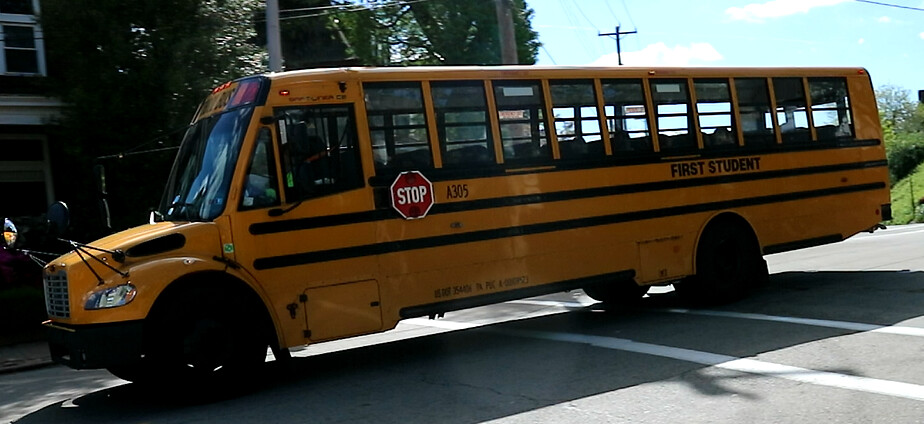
(206,342)
(728,265)
(621,292)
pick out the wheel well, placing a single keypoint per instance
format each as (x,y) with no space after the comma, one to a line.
(728,219)
(211,286)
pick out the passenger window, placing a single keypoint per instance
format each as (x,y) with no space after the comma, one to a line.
(319,149)
(522,122)
(626,116)
(713,105)
(754,110)
(397,126)
(462,123)
(790,110)
(261,188)
(671,100)
(830,108)
(574,109)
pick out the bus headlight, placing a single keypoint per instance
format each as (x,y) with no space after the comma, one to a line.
(111,297)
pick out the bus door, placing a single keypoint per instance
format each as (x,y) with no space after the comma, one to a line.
(303,222)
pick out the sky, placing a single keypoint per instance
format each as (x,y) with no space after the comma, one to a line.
(888,41)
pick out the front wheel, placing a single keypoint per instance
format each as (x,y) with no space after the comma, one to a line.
(202,343)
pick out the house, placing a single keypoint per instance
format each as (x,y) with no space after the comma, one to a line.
(26,112)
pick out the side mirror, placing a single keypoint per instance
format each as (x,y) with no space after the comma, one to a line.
(59,218)
(10,234)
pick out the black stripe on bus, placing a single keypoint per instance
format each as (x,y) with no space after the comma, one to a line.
(545,227)
(385,212)
(644,187)
(508,295)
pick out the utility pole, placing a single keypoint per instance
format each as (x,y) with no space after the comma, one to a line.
(618,45)
(508,38)
(273,43)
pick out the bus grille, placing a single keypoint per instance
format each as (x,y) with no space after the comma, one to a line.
(57,302)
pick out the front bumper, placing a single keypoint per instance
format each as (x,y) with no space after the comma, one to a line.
(95,346)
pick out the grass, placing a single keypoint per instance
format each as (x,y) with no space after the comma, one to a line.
(905,208)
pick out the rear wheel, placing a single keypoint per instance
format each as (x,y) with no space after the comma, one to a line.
(620,292)
(728,265)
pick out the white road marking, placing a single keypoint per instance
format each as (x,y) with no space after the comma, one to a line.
(744,365)
(843,325)
(750,366)
(536,302)
(441,323)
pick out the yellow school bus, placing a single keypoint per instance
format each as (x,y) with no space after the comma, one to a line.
(315,205)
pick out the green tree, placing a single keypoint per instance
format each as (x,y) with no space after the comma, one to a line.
(307,39)
(898,110)
(436,32)
(903,129)
(130,72)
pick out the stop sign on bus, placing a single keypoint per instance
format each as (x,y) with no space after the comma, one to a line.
(412,195)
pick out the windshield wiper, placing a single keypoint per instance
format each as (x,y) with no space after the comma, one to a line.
(184,206)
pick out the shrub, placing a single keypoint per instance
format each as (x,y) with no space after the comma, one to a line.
(905,152)
(22,310)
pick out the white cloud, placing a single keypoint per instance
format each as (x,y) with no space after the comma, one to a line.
(922,35)
(659,54)
(884,20)
(757,12)
(861,41)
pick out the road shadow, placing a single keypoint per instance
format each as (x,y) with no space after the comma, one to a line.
(490,372)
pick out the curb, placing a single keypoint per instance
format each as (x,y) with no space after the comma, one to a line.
(24,356)
(18,365)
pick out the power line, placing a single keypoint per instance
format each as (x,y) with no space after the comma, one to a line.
(541,46)
(890,5)
(346,9)
(567,11)
(578,7)
(626,7)
(612,13)
(314,8)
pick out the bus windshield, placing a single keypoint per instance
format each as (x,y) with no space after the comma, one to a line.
(197,189)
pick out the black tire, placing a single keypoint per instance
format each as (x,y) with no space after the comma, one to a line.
(200,341)
(728,265)
(618,293)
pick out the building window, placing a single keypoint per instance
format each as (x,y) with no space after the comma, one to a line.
(25,175)
(22,50)
(17,7)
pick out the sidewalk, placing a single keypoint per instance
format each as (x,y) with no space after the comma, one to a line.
(24,356)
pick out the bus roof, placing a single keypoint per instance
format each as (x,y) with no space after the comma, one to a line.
(557,72)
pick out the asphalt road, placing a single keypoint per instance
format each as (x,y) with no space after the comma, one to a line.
(836,337)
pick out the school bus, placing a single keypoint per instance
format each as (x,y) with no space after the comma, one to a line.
(315,205)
